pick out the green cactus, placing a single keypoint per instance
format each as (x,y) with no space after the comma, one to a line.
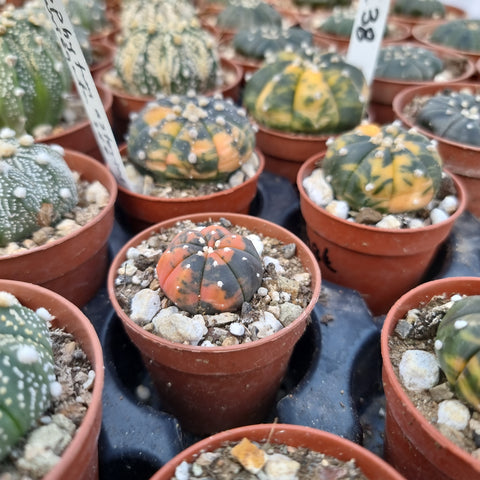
(209,271)
(408,62)
(453,115)
(244,14)
(419,8)
(27,372)
(387,168)
(463,34)
(36,186)
(34,76)
(322,3)
(318,93)
(172,59)
(190,137)
(256,43)
(340,22)
(90,14)
(149,14)
(457,346)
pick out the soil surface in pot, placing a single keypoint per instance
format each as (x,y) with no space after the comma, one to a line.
(247,460)
(417,331)
(284,293)
(92,198)
(37,453)
(146,185)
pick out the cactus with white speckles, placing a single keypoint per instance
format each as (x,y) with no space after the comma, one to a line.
(27,371)
(89,14)
(34,76)
(36,186)
(190,137)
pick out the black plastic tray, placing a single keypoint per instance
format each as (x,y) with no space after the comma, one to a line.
(333,381)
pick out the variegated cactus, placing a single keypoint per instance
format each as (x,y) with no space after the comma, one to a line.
(308,92)
(36,186)
(34,76)
(457,346)
(209,270)
(387,168)
(190,137)
(27,375)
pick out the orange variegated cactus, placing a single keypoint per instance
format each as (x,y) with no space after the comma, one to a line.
(209,270)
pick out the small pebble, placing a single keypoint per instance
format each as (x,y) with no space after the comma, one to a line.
(454,414)
(418,370)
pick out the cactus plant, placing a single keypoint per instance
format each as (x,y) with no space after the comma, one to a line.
(457,346)
(340,22)
(322,3)
(256,43)
(148,14)
(89,14)
(420,8)
(408,62)
(453,115)
(309,92)
(34,74)
(209,271)
(190,137)
(172,59)
(243,14)
(27,369)
(36,186)
(462,34)
(387,168)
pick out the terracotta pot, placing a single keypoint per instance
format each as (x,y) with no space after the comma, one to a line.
(293,435)
(422,34)
(80,459)
(461,159)
(452,13)
(125,104)
(209,389)
(380,263)
(74,266)
(412,445)
(141,211)
(383,90)
(103,57)
(80,136)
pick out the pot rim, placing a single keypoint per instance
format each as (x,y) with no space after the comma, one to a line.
(400,102)
(236,218)
(309,164)
(396,312)
(111,186)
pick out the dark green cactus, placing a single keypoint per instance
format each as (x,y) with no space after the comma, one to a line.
(419,8)
(209,271)
(307,92)
(457,346)
(27,372)
(190,137)
(463,34)
(244,14)
(322,3)
(36,186)
(173,58)
(340,22)
(453,115)
(89,14)
(34,76)
(408,62)
(256,43)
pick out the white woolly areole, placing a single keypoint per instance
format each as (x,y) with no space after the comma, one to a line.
(8,300)
(27,354)
(55,389)
(44,314)
(20,192)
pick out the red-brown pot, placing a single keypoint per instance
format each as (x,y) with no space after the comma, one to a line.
(125,104)
(80,136)
(103,57)
(461,159)
(80,459)
(384,90)
(74,266)
(142,211)
(380,263)
(297,436)
(422,34)
(412,445)
(209,389)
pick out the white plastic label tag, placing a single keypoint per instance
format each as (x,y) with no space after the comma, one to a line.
(86,89)
(367,35)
